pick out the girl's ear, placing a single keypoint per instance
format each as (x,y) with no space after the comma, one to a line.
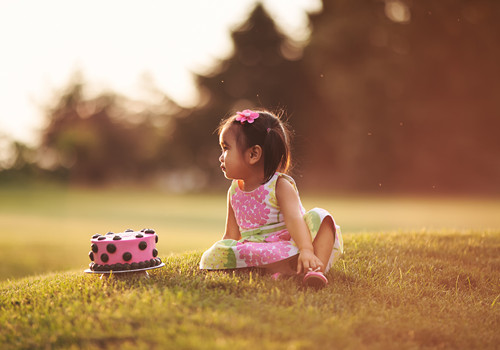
(254,154)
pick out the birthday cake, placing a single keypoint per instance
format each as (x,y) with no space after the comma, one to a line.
(129,250)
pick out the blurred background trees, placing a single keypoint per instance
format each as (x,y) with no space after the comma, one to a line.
(104,139)
(386,96)
(263,72)
(412,88)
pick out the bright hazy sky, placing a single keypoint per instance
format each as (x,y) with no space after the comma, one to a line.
(115,44)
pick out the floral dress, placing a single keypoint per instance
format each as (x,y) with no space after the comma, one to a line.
(264,237)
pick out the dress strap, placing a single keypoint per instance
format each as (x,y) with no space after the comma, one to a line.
(289,179)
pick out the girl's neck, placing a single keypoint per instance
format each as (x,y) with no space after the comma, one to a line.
(251,183)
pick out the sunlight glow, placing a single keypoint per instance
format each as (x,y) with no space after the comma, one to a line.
(121,46)
(397,11)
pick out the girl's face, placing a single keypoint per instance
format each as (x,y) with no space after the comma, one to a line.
(232,160)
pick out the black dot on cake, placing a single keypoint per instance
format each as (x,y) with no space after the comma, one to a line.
(91,256)
(127,256)
(156,238)
(96,235)
(116,238)
(95,249)
(102,238)
(104,257)
(149,231)
(110,233)
(139,235)
(129,230)
(111,248)
(143,245)
(155,252)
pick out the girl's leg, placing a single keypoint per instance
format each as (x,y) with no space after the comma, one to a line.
(323,242)
(286,267)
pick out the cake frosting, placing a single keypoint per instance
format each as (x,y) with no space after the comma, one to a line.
(128,250)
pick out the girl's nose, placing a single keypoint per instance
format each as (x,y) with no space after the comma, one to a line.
(221,158)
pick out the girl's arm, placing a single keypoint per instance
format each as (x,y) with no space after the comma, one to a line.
(289,203)
(232,229)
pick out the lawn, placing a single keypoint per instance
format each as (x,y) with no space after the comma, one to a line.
(421,290)
(417,273)
(44,229)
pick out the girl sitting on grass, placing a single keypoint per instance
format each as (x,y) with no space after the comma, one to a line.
(266,224)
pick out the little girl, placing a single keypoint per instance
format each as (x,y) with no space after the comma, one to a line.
(266,224)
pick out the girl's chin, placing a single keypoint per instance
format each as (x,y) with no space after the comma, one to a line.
(227,176)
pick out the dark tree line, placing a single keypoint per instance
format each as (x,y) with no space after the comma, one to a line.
(414,103)
(386,96)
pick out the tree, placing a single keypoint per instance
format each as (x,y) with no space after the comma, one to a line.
(263,72)
(411,87)
(102,139)
(18,163)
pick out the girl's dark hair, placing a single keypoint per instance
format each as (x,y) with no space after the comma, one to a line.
(269,132)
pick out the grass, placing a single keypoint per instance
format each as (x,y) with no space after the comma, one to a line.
(417,274)
(417,290)
(49,229)
(44,229)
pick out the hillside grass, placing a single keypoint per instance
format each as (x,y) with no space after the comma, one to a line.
(413,290)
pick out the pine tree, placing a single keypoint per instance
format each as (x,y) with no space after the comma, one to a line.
(262,72)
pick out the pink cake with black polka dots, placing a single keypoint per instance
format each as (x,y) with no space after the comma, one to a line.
(129,250)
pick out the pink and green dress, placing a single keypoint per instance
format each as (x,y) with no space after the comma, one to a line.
(264,237)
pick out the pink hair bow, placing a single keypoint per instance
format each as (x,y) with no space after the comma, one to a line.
(247,116)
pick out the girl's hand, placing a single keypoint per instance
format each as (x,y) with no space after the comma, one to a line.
(307,260)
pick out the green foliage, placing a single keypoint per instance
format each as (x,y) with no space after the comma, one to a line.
(390,291)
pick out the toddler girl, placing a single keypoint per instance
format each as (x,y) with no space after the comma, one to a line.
(266,224)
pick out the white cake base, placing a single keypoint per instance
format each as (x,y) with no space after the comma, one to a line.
(123,271)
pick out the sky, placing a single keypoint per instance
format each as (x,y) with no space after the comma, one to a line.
(117,45)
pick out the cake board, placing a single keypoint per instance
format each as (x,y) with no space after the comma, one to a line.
(125,273)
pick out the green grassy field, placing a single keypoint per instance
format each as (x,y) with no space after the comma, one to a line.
(417,273)
(424,290)
(45,229)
